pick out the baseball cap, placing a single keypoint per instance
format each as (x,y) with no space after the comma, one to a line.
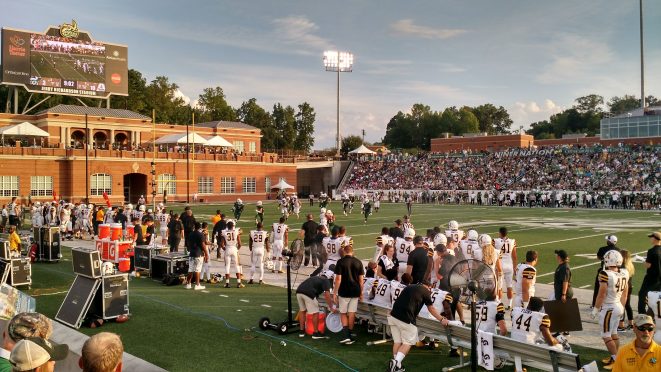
(642,319)
(24,325)
(33,352)
(656,235)
(561,253)
(611,239)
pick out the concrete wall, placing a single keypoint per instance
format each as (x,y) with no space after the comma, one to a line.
(315,177)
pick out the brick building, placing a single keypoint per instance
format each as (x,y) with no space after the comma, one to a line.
(120,157)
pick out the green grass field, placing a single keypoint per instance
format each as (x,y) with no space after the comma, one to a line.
(183,330)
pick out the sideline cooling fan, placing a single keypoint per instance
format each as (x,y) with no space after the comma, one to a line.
(473,280)
(294,255)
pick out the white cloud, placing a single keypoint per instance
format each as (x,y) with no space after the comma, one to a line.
(407,27)
(179,94)
(300,31)
(573,58)
(525,113)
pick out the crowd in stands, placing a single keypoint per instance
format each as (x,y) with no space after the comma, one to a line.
(630,172)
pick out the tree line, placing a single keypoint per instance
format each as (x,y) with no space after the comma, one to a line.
(283,128)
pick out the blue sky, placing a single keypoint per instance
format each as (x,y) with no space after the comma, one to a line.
(532,57)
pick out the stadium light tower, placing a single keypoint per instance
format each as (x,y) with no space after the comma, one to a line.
(642,62)
(336,61)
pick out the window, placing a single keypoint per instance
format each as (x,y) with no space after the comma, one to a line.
(238,146)
(267,184)
(205,185)
(41,186)
(166,182)
(227,185)
(249,185)
(100,183)
(9,185)
(252,147)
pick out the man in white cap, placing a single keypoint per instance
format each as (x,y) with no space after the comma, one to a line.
(641,354)
(37,354)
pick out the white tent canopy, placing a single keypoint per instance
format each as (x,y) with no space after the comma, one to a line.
(362,150)
(180,138)
(282,185)
(218,141)
(24,129)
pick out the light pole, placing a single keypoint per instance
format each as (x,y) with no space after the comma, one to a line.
(642,63)
(336,61)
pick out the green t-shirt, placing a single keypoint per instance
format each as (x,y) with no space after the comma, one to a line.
(5,366)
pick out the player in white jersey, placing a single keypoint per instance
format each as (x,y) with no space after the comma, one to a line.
(611,298)
(284,210)
(407,223)
(258,245)
(379,292)
(163,219)
(381,241)
(139,213)
(490,314)
(280,233)
(507,249)
(333,247)
(396,288)
(524,283)
(65,221)
(322,218)
(230,242)
(531,326)
(402,249)
(346,240)
(470,248)
(296,205)
(441,301)
(454,232)
(86,220)
(654,303)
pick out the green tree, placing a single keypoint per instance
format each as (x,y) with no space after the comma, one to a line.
(468,123)
(591,103)
(253,114)
(169,108)
(136,101)
(626,103)
(492,119)
(304,127)
(214,106)
(350,143)
(284,123)
(399,132)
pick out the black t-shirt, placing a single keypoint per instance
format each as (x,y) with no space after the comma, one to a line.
(188,222)
(195,244)
(409,303)
(602,252)
(652,275)
(139,237)
(314,286)
(392,273)
(418,259)
(446,265)
(562,274)
(175,227)
(217,228)
(351,269)
(310,228)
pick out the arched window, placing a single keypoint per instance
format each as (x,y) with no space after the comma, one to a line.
(100,183)
(167,182)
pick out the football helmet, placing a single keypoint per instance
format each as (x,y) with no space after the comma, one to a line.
(259,203)
(472,235)
(409,233)
(440,239)
(611,239)
(239,201)
(453,225)
(142,208)
(613,258)
(323,210)
(129,206)
(484,240)
(90,206)
(108,268)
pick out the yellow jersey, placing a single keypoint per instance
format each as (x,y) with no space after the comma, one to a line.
(628,359)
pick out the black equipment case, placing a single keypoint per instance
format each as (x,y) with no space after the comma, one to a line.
(112,298)
(86,262)
(20,271)
(168,264)
(77,302)
(144,255)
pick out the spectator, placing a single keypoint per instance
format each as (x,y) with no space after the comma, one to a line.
(102,353)
(562,278)
(37,354)
(652,279)
(349,275)
(642,354)
(22,326)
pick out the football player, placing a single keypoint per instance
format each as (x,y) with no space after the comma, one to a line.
(531,326)
(469,247)
(258,245)
(284,210)
(231,243)
(367,209)
(345,204)
(407,223)
(403,246)
(296,205)
(454,232)
(238,209)
(526,276)
(611,298)
(280,233)
(333,246)
(490,314)
(507,248)
(441,301)
(259,212)
(163,219)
